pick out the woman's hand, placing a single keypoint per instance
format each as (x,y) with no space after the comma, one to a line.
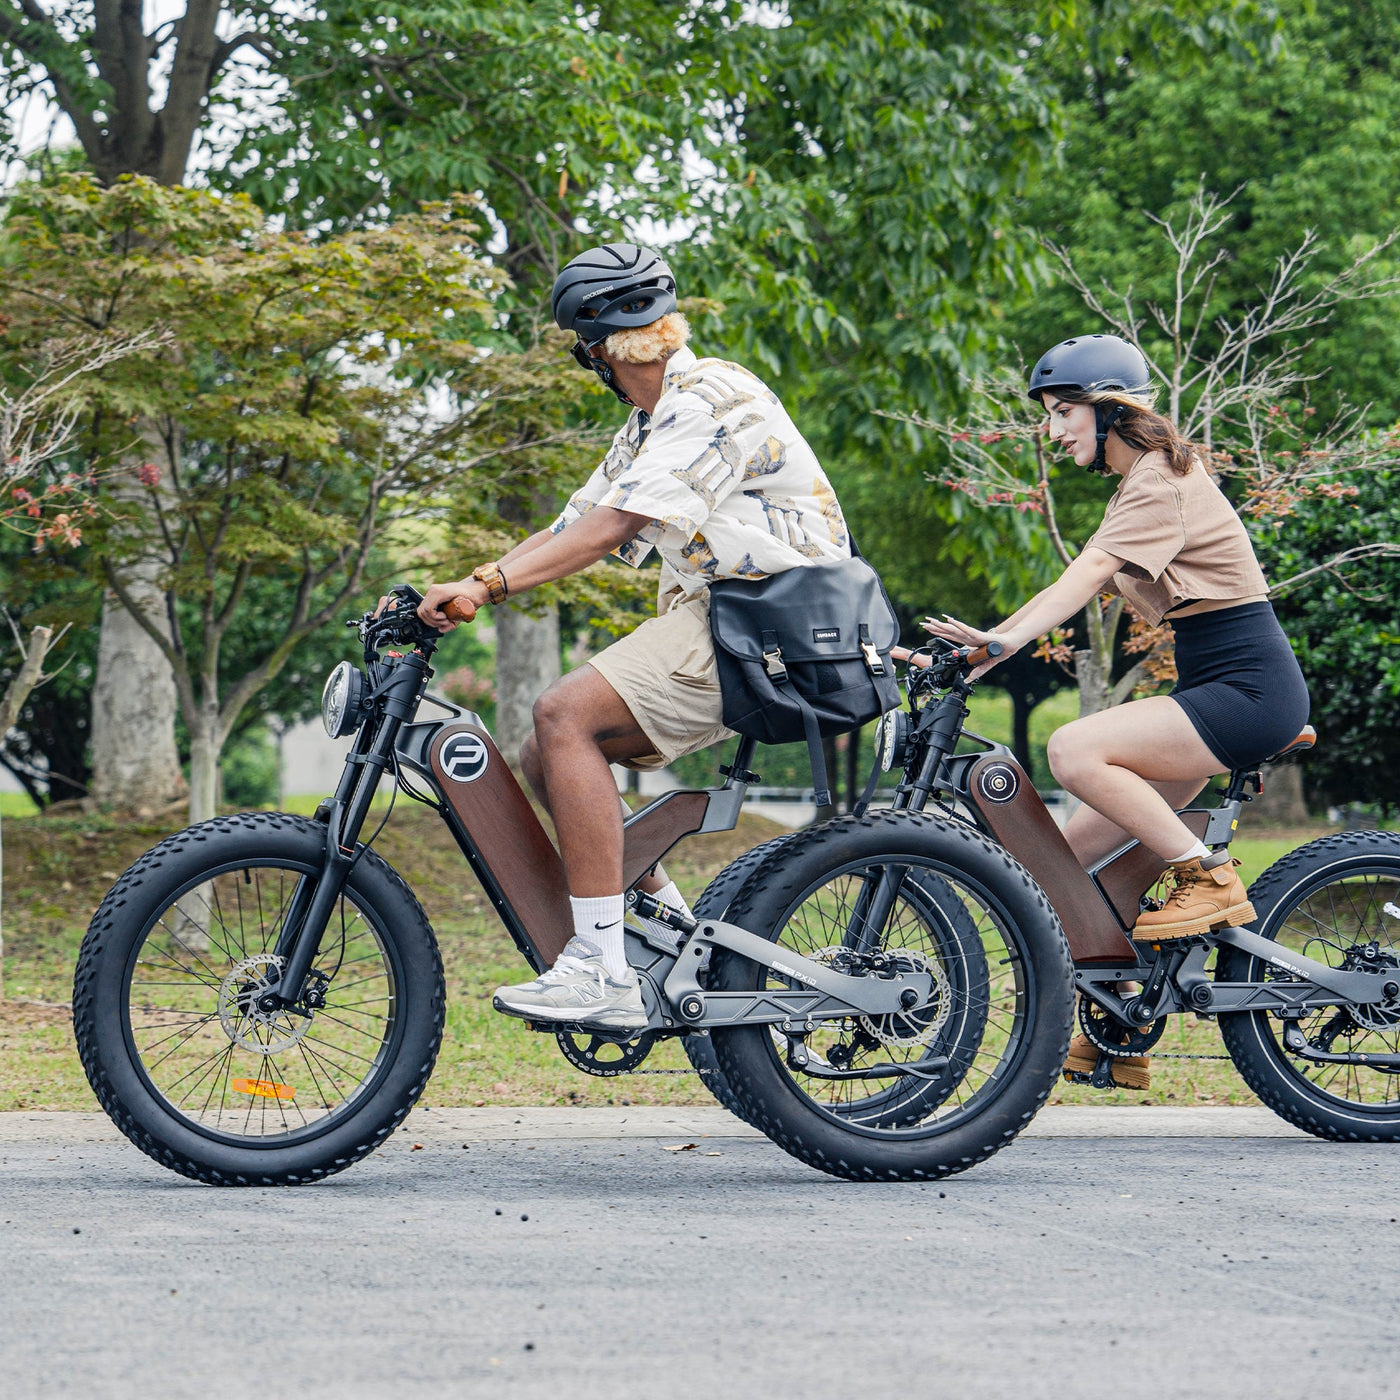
(961,635)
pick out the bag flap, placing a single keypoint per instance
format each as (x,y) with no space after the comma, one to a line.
(816,611)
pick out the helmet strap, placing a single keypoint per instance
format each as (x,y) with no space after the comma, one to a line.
(1104,419)
(583,353)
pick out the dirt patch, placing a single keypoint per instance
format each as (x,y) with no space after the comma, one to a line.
(29,1015)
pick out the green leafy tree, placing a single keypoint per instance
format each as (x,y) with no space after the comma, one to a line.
(1346,634)
(1307,140)
(312,392)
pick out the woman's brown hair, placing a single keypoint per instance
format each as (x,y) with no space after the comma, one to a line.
(1141,426)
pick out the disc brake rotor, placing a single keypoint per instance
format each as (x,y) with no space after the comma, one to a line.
(260,1032)
(920,1024)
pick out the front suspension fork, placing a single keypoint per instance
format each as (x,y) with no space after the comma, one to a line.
(309,909)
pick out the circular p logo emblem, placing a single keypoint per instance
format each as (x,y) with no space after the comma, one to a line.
(464,758)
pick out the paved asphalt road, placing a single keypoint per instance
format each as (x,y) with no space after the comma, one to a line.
(1223,1255)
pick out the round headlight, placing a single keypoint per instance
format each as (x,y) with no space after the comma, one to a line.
(892,739)
(340,700)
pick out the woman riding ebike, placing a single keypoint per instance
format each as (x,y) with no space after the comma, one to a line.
(1306,976)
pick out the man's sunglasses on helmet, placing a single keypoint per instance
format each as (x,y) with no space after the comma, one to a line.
(580,351)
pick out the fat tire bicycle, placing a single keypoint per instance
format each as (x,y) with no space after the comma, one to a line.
(260,1000)
(1307,996)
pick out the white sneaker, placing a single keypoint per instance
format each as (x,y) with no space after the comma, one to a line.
(577,989)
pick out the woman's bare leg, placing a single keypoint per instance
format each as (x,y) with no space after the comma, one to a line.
(1092,836)
(1133,766)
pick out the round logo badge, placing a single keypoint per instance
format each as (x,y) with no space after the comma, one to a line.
(464,758)
(998,782)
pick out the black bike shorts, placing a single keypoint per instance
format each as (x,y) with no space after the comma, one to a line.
(1239,682)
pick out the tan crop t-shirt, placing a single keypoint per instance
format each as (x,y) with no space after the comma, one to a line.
(1180,541)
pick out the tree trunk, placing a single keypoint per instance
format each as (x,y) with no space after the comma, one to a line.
(1021,706)
(1092,677)
(135,765)
(527,661)
(204,771)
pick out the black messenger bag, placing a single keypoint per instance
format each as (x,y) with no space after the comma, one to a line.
(805,653)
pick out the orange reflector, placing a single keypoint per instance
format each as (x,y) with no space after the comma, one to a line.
(264,1089)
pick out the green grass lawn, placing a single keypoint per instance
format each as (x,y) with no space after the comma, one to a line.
(57,869)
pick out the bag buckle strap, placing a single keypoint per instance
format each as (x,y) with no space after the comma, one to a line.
(772,655)
(872,657)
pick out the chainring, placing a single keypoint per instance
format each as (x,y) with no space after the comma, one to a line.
(585,1050)
(1114,1038)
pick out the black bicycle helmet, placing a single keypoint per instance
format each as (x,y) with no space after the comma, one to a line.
(616,287)
(612,288)
(1090,364)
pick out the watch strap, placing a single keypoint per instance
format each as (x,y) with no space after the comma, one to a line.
(494,579)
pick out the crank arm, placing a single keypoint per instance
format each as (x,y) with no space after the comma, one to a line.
(865,996)
(1357,988)
(1295,1042)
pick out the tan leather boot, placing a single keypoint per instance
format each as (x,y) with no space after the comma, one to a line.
(1129,1071)
(1203,894)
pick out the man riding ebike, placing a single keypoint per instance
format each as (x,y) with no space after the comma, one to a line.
(710,472)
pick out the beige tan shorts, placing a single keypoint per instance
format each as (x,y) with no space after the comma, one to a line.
(665,673)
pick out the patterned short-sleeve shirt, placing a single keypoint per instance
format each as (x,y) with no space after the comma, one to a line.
(732,488)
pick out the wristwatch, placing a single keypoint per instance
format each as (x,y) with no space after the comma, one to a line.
(494,579)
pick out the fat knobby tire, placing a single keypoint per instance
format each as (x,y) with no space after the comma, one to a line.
(146,889)
(1261,1060)
(768,1099)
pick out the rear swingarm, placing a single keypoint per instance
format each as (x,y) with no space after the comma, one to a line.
(827,995)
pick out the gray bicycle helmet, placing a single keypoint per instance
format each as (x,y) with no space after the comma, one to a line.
(615,287)
(1089,364)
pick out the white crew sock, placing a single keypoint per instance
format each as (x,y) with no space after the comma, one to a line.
(1197,852)
(668,894)
(598,925)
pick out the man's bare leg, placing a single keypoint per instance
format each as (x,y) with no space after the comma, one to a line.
(582,725)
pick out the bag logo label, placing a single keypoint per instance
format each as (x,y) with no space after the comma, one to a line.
(826,634)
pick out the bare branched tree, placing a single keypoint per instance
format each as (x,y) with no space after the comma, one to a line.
(1234,383)
(38,418)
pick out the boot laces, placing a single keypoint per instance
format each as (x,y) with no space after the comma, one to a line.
(1184,880)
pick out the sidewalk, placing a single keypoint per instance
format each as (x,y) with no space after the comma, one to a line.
(685,1124)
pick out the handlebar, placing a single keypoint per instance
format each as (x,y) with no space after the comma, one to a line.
(946,663)
(459,609)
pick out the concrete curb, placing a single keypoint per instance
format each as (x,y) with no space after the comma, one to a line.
(686,1124)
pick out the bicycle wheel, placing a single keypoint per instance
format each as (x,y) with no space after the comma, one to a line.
(1336,900)
(942,923)
(167,1023)
(981,1055)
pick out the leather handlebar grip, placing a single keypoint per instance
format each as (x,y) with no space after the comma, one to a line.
(987,653)
(460,608)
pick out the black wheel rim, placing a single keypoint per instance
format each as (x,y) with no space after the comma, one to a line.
(221,1068)
(984,1034)
(1330,919)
